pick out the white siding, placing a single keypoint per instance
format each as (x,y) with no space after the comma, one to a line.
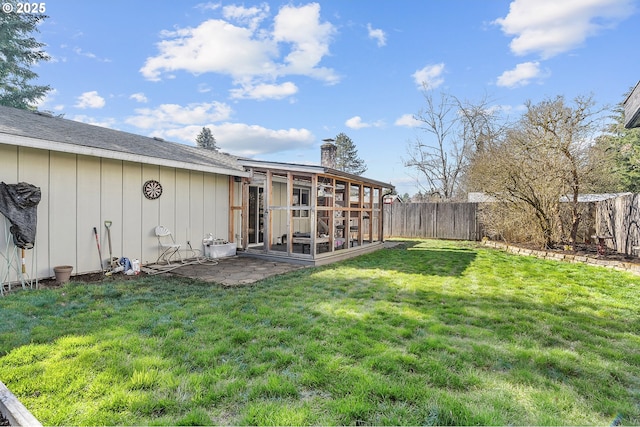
(33,168)
(89,206)
(111,202)
(182,205)
(150,215)
(131,218)
(167,204)
(81,192)
(196,210)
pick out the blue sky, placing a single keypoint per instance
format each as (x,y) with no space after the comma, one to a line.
(273,79)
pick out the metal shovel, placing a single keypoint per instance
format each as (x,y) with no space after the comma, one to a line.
(113,262)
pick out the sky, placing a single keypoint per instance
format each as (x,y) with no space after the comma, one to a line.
(272,79)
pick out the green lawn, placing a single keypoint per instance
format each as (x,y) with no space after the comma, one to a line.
(436,333)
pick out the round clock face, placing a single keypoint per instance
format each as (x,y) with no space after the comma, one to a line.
(152,189)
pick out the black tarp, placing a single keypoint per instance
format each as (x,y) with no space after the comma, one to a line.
(19,204)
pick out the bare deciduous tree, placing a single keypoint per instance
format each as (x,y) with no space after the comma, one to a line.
(439,160)
(547,157)
(455,130)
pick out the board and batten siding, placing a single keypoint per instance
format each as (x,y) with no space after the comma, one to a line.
(80,192)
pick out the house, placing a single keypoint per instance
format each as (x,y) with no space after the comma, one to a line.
(632,108)
(88,175)
(390,199)
(479,197)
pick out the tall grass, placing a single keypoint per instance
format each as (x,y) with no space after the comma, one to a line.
(436,333)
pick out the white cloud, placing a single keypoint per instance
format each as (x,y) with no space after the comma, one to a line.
(407,120)
(177,123)
(208,6)
(183,123)
(521,75)
(357,123)
(301,27)
(168,116)
(429,77)
(90,55)
(265,91)
(140,97)
(378,35)
(252,16)
(252,50)
(237,53)
(246,140)
(90,100)
(551,27)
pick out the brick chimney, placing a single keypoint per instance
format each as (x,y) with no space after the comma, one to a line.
(328,154)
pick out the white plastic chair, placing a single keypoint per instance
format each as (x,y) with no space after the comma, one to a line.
(167,244)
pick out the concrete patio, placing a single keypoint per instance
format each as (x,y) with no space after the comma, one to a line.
(235,271)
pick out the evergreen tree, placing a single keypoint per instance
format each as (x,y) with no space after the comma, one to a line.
(206,140)
(19,51)
(623,147)
(347,159)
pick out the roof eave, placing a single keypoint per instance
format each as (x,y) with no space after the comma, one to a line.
(62,147)
(314,169)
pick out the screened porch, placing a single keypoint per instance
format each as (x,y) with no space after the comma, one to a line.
(308,214)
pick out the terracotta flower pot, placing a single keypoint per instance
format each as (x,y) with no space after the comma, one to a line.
(63,273)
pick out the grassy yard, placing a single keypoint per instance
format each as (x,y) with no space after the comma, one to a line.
(436,333)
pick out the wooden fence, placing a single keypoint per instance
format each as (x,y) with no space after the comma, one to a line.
(457,221)
(619,219)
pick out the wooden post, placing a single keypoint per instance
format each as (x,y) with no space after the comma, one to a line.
(268,191)
(332,215)
(289,213)
(312,215)
(360,213)
(381,215)
(369,212)
(245,214)
(231,211)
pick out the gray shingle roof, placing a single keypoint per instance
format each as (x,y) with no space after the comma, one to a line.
(55,129)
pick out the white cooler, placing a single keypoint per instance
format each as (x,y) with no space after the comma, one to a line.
(218,249)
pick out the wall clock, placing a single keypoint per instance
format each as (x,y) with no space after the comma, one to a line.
(152,189)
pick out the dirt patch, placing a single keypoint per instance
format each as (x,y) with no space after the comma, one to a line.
(51,283)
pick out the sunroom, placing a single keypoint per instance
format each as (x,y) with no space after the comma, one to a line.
(308,214)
